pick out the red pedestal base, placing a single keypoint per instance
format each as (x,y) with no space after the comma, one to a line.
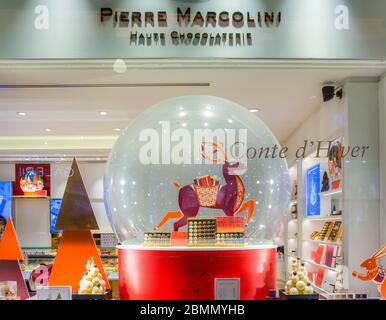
(189,274)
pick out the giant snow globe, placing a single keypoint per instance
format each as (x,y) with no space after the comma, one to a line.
(194,173)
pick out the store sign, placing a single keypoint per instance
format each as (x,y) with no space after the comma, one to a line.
(82,29)
(313,191)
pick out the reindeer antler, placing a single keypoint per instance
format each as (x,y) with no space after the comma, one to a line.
(217,148)
(380,253)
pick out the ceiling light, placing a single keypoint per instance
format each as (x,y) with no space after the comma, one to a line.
(46,143)
(313,97)
(22,114)
(118,129)
(47,130)
(254,110)
(98,159)
(103,113)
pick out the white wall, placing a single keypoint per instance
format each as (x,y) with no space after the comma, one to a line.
(382,157)
(7,172)
(325,123)
(361,179)
(32,222)
(32,215)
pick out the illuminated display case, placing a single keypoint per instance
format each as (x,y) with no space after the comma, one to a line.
(202,205)
(34,256)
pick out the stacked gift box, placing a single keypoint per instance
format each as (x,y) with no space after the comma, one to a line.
(219,231)
(207,181)
(201,232)
(157,239)
(230,231)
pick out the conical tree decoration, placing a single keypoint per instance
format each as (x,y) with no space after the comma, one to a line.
(76,219)
(76,212)
(75,248)
(9,245)
(10,254)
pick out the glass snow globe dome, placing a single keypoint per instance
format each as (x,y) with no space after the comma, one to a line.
(196,157)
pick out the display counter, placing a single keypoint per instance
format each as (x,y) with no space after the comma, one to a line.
(34,256)
(189,273)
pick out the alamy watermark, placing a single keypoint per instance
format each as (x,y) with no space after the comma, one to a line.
(197,146)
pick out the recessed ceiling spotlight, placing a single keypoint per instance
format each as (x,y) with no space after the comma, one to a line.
(98,159)
(46,143)
(103,113)
(47,130)
(117,129)
(254,110)
(312,97)
(22,114)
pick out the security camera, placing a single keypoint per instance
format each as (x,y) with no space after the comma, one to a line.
(329,91)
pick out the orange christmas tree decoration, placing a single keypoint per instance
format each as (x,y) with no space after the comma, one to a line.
(76,218)
(10,254)
(9,245)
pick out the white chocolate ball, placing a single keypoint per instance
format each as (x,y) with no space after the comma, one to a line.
(308,290)
(293,291)
(82,290)
(289,284)
(88,285)
(300,286)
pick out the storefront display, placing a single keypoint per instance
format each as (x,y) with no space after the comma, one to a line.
(192,150)
(249,215)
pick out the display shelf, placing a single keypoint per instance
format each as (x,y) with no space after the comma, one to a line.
(338,243)
(111,276)
(291,241)
(320,291)
(332,193)
(31,197)
(323,218)
(319,265)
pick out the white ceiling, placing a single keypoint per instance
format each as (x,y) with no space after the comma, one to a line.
(286,94)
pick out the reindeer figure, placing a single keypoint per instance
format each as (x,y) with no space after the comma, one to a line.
(375,272)
(228,197)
